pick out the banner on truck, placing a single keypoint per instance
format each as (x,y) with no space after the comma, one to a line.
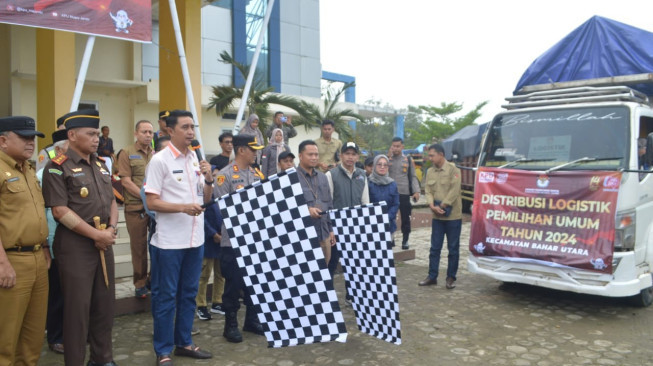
(123,19)
(566,218)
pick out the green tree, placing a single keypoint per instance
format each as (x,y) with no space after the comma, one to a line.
(438,123)
(312,115)
(260,97)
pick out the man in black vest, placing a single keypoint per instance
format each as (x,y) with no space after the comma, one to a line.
(348,185)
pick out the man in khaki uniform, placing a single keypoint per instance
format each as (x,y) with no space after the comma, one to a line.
(132,163)
(329,147)
(24,261)
(444,199)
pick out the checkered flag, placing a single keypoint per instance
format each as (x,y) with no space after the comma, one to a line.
(285,270)
(363,237)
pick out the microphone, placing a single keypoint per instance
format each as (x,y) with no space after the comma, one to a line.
(195,145)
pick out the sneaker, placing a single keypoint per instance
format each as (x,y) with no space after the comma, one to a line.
(217,309)
(203,313)
(141,292)
(195,330)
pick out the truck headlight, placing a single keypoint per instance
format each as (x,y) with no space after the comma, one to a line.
(624,233)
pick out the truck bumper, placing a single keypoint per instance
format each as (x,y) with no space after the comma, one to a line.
(627,279)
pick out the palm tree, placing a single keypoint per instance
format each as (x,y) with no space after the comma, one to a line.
(312,115)
(259,99)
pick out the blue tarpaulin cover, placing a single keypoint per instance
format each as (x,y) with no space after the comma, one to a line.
(471,137)
(600,47)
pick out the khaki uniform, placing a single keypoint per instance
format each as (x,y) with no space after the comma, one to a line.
(328,151)
(85,188)
(443,184)
(132,163)
(22,223)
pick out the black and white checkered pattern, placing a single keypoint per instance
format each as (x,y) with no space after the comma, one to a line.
(363,237)
(286,273)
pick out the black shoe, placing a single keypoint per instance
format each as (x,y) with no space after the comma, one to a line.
(203,313)
(404,245)
(252,324)
(91,363)
(193,352)
(217,309)
(231,332)
(451,283)
(428,281)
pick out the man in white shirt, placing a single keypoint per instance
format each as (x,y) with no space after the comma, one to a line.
(177,185)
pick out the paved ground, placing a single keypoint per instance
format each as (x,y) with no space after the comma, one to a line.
(481,322)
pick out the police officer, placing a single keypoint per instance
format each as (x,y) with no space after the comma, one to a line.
(47,153)
(24,261)
(132,163)
(234,176)
(77,186)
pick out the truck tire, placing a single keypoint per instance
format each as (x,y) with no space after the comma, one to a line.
(644,299)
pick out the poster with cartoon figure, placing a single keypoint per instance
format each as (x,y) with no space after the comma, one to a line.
(124,19)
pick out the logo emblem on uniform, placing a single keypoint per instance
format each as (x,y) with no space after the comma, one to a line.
(98,164)
(76,170)
(83,192)
(240,186)
(41,158)
(235,168)
(219,179)
(235,176)
(8,174)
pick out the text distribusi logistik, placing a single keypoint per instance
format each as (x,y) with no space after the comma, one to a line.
(547,203)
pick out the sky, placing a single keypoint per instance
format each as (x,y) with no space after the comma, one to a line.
(423,52)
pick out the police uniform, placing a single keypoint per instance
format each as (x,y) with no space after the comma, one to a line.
(402,170)
(230,179)
(23,230)
(132,162)
(47,153)
(84,186)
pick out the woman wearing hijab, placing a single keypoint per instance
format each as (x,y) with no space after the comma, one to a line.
(384,188)
(270,155)
(251,128)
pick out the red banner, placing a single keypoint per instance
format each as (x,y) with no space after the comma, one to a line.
(124,19)
(565,218)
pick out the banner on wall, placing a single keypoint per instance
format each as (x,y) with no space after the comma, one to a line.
(123,19)
(566,218)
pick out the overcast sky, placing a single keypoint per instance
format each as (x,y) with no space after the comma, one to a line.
(426,52)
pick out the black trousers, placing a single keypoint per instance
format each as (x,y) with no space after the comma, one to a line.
(405,209)
(54,323)
(233,281)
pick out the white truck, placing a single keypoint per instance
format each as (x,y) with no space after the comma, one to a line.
(582,113)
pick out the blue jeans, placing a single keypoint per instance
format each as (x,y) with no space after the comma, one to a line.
(175,275)
(440,228)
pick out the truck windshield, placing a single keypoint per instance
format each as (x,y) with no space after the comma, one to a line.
(539,140)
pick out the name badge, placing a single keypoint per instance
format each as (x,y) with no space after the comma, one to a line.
(177,171)
(135,157)
(12,179)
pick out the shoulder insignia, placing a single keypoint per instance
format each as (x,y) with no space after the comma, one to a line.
(60,159)
(235,167)
(100,159)
(55,171)
(259,173)
(220,179)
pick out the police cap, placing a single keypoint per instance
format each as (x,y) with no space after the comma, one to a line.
(20,125)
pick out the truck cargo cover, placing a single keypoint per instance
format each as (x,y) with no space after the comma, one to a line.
(470,137)
(600,47)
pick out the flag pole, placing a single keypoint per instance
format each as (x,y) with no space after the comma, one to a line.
(184,70)
(83,68)
(252,69)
